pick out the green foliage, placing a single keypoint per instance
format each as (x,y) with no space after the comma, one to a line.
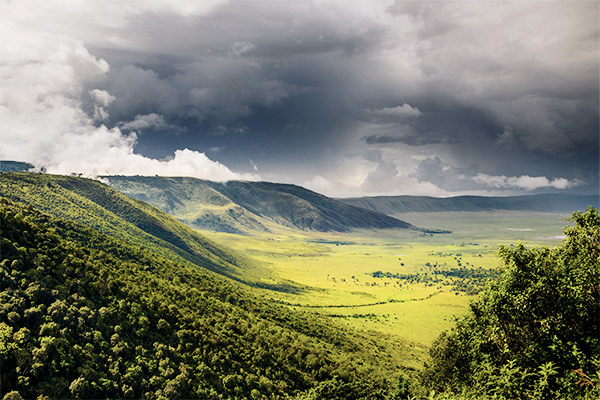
(98,206)
(402,390)
(337,389)
(469,280)
(535,333)
(84,320)
(14,395)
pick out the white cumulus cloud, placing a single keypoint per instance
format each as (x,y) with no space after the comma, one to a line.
(45,79)
(405,110)
(102,97)
(525,182)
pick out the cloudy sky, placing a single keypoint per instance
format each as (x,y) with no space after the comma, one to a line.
(346,98)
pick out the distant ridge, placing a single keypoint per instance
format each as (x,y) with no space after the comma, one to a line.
(394,205)
(15,166)
(239,206)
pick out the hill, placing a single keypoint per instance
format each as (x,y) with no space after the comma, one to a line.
(104,209)
(192,201)
(88,315)
(239,206)
(396,205)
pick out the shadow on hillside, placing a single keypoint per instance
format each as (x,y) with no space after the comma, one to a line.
(277,287)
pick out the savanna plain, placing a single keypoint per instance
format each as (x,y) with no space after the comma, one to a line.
(402,288)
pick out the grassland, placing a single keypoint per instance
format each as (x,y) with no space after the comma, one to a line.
(248,207)
(422,284)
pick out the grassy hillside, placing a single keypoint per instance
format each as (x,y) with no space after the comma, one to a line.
(192,201)
(101,296)
(396,205)
(87,315)
(98,206)
(256,206)
(302,208)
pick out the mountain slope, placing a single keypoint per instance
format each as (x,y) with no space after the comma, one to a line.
(87,315)
(302,208)
(106,210)
(395,205)
(249,205)
(192,201)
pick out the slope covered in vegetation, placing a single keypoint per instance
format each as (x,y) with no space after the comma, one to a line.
(103,296)
(238,205)
(534,333)
(86,315)
(98,206)
(192,201)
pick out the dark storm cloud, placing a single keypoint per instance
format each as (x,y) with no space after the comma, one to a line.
(540,88)
(486,91)
(251,56)
(289,70)
(470,177)
(408,140)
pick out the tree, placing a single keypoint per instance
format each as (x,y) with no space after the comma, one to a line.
(14,395)
(536,330)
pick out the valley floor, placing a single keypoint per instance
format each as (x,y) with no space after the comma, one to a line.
(401,287)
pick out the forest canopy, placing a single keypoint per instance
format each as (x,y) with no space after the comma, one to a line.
(107,297)
(123,322)
(535,332)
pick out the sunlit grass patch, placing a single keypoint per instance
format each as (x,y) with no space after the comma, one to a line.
(424,280)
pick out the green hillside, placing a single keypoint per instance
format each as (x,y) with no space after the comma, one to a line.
(192,201)
(104,296)
(102,208)
(239,206)
(87,315)
(304,209)
(397,205)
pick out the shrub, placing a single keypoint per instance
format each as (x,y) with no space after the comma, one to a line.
(535,333)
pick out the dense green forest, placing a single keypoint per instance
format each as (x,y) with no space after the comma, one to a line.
(104,296)
(98,206)
(84,315)
(535,332)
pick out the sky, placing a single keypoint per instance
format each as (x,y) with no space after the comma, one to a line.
(349,99)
